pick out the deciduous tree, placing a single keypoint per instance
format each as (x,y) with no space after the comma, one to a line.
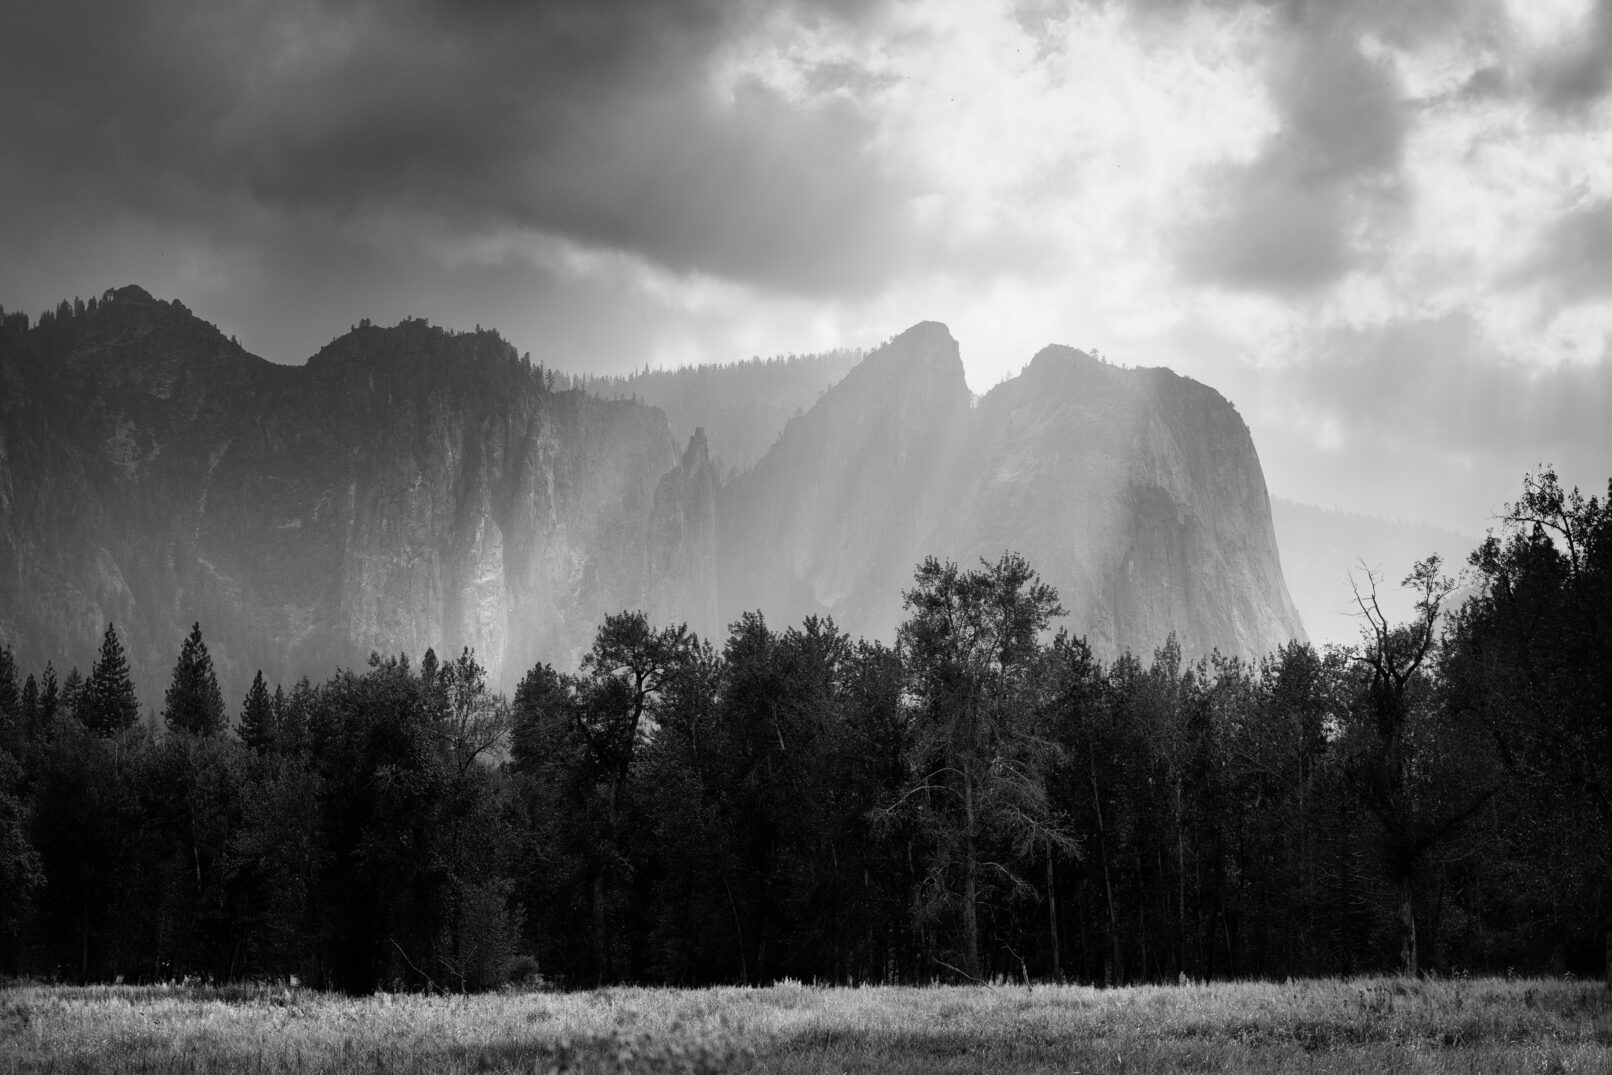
(971,645)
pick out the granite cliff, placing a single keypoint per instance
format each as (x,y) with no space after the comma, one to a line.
(1137,493)
(412,487)
(408,487)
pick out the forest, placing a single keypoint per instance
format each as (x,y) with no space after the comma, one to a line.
(985,800)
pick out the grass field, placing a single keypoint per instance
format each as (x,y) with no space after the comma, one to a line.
(1380,1026)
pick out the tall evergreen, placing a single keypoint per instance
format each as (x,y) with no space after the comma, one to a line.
(10,701)
(108,703)
(49,699)
(194,703)
(292,713)
(71,701)
(258,715)
(29,706)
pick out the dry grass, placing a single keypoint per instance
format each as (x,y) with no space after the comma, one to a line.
(1376,1025)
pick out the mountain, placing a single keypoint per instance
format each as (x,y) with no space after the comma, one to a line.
(1322,548)
(830,520)
(1137,493)
(410,487)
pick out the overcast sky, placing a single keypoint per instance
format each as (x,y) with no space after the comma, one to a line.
(1382,228)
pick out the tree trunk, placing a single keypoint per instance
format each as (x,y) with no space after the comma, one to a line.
(599,926)
(971,927)
(1052,918)
(1116,971)
(1141,917)
(1609,950)
(1181,942)
(1407,929)
(600,949)
(738,931)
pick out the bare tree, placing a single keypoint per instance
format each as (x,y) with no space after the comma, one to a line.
(1406,760)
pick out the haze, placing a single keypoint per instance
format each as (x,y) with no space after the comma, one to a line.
(1382,229)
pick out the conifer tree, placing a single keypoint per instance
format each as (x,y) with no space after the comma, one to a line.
(24,726)
(49,698)
(29,707)
(258,717)
(108,703)
(293,712)
(194,703)
(10,699)
(72,697)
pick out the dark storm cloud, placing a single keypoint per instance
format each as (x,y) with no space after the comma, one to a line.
(1292,218)
(593,120)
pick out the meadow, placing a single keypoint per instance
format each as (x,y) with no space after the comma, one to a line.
(1381,1025)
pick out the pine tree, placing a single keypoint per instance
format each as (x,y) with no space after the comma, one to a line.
(10,699)
(258,717)
(29,708)
(49,699)
(293,714)
(194,703)
(72,697)
(108,704)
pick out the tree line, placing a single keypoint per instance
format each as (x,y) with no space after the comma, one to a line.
(986,799)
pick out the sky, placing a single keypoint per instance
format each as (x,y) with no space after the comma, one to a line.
(1381,228)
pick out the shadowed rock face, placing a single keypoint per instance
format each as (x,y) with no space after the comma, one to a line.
(406,488)
(412,488)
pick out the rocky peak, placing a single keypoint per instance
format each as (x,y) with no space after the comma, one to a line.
(1136,493)
(923,338)
(927,349)
(133,294)
(412,341)
(698,452)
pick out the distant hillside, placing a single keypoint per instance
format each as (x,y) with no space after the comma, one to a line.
(1320,547)
(742,406)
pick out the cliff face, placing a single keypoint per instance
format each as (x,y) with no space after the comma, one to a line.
(832,517)
(406,488)
(1137,493)
(412,488)
(682,554)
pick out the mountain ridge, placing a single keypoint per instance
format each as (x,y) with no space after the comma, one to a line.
(410,486)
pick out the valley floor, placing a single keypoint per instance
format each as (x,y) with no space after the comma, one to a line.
(1373,1025)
